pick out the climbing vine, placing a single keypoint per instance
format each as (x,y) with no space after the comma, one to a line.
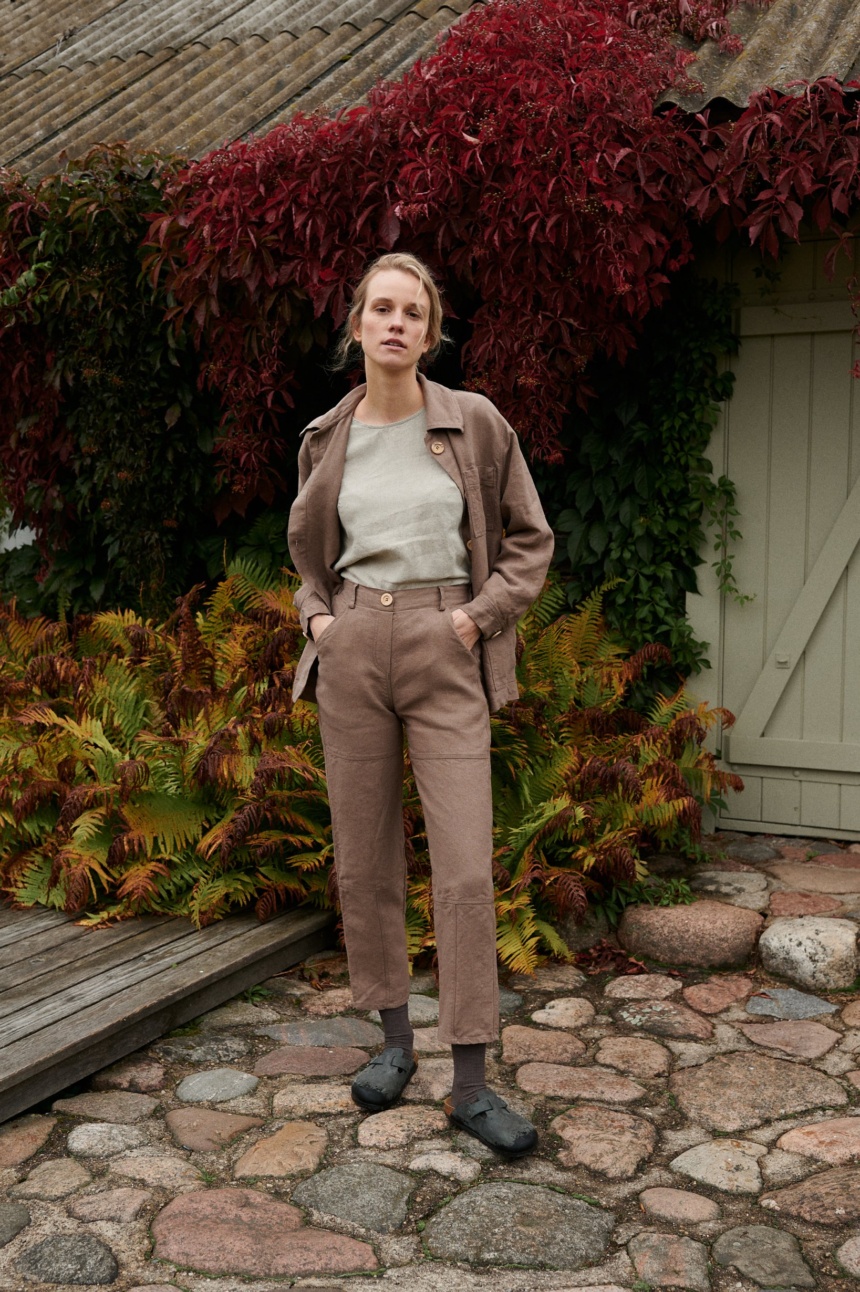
(638,502)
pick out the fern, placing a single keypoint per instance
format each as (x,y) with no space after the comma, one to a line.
(164,768)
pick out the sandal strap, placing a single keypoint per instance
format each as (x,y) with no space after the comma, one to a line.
(484,1104)
(393,1058)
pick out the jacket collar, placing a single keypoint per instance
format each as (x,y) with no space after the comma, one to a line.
(441,404)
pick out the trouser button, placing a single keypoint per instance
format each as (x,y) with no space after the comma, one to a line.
(386,598)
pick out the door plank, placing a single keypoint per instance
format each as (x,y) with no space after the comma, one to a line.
(798,627)
(813,755)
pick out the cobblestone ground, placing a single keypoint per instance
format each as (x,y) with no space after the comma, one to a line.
(700,1127)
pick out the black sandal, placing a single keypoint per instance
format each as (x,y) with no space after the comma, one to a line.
(491,1121)
(379,1085)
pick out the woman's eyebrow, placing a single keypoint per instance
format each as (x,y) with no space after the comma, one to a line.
(386,300)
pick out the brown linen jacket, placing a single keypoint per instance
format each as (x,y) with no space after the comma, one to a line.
(504,527)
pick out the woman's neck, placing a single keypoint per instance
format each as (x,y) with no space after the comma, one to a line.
(389,397)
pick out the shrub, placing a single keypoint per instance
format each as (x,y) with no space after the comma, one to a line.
(163,768)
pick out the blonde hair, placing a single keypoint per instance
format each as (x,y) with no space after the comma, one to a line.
(347,351)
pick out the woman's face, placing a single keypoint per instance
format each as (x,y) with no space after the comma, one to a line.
(392,329)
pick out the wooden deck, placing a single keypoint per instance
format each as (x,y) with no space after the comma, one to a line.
(73,1000)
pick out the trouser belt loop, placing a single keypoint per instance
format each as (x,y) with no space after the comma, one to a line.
(349,591)
(441,598)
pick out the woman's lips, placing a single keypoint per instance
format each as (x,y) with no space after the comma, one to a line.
(395,345)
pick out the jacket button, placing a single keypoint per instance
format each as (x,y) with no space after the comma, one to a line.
(437,447)
(386,598)
(469,544)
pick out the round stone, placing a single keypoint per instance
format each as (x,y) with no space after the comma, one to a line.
(642,986)
(239,1013)
(770,1257)
(804,1040)
(727,1164)
(633,1055)
(678,1206)
(786,1002)
(664,1260)
(717,994)
(216,1087)
(360,1193)
(828,1198)
(243,1231)
(51,1180)
(14,1217)
(118,1106)
(206,1129)
(141,1075)
(326,1031)
(452,1165)
(531,1045)
(815,951)
(296,1147)
(578,1083)
(606,1140)
(212,1049)
(735,1092)
(22,1138)
(706,934)
(565,1011)
(848,1256)
(113,1204)
(104,1139)
(311,1061)
(397,1127)
(158,1170)
(312,1101)
(521,1225)
(665,1018)
(69,1258)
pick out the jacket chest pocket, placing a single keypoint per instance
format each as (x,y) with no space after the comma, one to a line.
(491,503)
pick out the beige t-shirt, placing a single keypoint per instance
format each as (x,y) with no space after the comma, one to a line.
(400,511)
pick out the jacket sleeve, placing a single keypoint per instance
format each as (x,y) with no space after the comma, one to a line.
(307,600)
(527,547)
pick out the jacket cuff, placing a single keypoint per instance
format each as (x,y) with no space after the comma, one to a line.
(485,615)
(311,605)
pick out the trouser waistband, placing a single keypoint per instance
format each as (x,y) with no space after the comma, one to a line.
(356,594)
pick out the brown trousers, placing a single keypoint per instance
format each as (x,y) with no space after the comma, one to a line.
(389,662)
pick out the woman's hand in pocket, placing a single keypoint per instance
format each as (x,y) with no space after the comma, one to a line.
(466,628)
(318,625)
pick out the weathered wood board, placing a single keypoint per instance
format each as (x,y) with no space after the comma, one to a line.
(73,1000)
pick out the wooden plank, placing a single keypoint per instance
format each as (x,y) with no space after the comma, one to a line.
(812,755)
(43,1064)
(819,803)
(68,942)
(10,933)
(807,317)
(781,827)
(780,801)
(37,944)
(99,988)
(100,966)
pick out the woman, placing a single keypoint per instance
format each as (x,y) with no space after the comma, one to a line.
(420,540)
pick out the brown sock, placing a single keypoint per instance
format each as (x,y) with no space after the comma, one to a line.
(397,1028)
(469,1072)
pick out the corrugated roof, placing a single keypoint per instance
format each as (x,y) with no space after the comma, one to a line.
(790,40)
(188,75)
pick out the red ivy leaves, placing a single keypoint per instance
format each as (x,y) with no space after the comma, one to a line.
(525,162)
